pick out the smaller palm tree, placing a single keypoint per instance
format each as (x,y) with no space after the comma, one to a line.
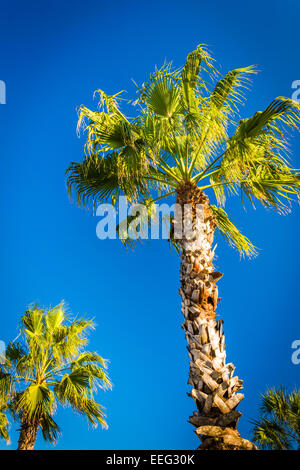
(279,425)
(49,366)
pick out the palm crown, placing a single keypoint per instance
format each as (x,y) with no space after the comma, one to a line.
(181,134)
(51,366)
(279,424)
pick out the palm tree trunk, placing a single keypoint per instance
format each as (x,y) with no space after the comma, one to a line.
(28,435)
(214,387)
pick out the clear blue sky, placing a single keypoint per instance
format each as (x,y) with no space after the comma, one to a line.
(53,55)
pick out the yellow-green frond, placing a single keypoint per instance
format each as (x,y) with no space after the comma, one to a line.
(4,425)
(234,237)
(255,159)
(162,94)
(229,90)
(190,79)
(268,434)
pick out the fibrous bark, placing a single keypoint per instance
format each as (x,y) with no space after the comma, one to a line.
(215,388)
(28,434)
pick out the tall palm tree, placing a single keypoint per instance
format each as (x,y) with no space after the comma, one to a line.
(50,366)
(183,142)
(279,425)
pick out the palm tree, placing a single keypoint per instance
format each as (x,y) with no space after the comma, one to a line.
(183,142)
(50,366)
(279,425)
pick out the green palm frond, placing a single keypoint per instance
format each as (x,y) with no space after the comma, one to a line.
(234,237)
(14,352)
(229,90)
(276,402)
(123,232)
(71,339)
(49,428)
(74,390)
(294,416)
(190,74)
(279,425)
(92,411)
(71,386)
(273,186)
(190,79)
(55,317)
(34,399)
(269,434)
(109,106)
(95,180)
(6,382)
(255,159)
(33,321)
(216,111)
(87,357)
(4,426)
(162,94)
(108,132)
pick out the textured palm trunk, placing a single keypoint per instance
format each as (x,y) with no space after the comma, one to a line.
(28,435)
(214,386)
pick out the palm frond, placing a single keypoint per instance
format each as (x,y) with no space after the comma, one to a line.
(4,425)
(294,416)
(190,79)
(14,352)
(255,159)
(6,383)
(214,114)
(35,399)
(55,317)
(69,340)
(269,434)
(230,232)
(123,233)
(162,94)
(229,90)
(87,357)
(96,180)
(74,390)
(49,428)
(276,403)
(279,425)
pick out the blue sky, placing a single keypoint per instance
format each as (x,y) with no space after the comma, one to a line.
(53,55)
